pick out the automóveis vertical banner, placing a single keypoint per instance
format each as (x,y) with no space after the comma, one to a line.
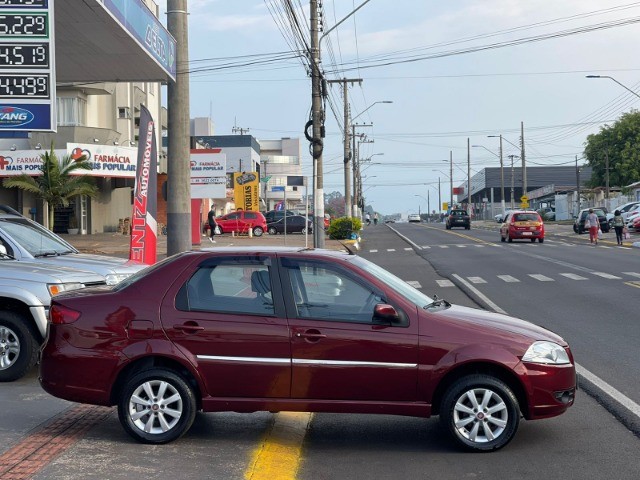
(144,231)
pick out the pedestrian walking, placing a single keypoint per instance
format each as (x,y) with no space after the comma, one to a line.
(211,218)
(375,218)
(618,226)
(367,218)
(594,226)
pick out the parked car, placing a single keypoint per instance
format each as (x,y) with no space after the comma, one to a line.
(26,289)
(241,222)
(277,329)
(547,213)
(578,224)
(274,215)
(635,225)
(458,218)
(294,223)
(522,225)
(631,215)
(28,241)
(414,217)
(500,217)
(626,207)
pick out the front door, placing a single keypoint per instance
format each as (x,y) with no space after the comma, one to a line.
(338,351)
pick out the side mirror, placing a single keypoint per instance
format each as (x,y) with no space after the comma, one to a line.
(3,249)
(384,312)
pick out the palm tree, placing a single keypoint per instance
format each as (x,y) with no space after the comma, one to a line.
(56,186)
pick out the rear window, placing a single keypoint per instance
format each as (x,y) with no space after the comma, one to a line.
(458,213)
(526,217)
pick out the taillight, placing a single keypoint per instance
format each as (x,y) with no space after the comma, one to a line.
(60,315)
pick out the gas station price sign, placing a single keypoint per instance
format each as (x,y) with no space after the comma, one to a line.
(27,66)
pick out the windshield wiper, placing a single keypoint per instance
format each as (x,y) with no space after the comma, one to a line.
(47,253)
(6,255)
(437,302)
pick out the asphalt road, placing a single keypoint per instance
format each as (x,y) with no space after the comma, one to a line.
(587,442)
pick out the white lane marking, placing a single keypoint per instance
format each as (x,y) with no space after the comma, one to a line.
(443,246)
(508,278)
(461,246)
(426,246)
(445,283)
(477,280)
(417,247)
(633,274)
(615,394)
(479,246)
(391,249)
(408,248)
(414,283)
(541,278)
(373,251)
(486,299)
(606,275)
(573,276)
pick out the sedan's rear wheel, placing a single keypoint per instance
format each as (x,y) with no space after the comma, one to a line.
(541,240)
(272,230)
(257,231)
(480,412)
(18,346)
(157,406)
(533,240)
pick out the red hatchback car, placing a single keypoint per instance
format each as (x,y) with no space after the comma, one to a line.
(242,221)
(283,329)
(522,225)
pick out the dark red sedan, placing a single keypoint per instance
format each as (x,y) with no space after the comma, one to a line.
(281,329)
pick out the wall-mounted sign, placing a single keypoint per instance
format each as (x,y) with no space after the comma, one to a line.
(208,174)
(27,66)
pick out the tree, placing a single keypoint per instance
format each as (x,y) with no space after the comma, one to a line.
(56,186)
(621,143)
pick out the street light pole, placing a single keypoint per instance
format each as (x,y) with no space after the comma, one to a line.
(611,78)
(451,178)
(512,181)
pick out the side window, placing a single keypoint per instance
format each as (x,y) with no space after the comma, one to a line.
(329,294)
(231,288)
(250,215)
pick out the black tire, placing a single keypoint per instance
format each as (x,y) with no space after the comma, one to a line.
(18,346)
(575,229)
(468,228)
(272,230)
(541,240)
(492,426)
(176,424)
(257,231)
(502,239)
(533,240)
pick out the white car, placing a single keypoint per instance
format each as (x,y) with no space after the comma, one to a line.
(631,215)
(500,217)
(629,209)
(414,217)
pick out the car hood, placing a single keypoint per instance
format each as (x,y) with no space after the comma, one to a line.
(500,323)
(100,264)
(39,273)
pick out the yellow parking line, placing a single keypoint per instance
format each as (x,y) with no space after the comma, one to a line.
(633,284)
(279,454)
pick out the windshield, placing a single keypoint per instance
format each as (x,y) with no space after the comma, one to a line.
(34,238)
(403,288)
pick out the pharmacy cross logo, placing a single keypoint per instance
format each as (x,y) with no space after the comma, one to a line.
(5,162)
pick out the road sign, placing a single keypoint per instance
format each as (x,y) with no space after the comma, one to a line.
(445,206)
(524,205)
(524,199)
(265,179)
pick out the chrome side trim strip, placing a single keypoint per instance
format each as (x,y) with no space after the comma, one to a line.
(349,363)
(301,361)
(243,359)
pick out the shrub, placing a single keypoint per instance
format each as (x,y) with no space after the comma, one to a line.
(341,228)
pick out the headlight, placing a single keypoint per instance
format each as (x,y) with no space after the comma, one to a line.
(56,288)
(546,352)
(114,278)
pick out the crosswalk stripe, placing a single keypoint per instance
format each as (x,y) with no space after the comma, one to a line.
(479,246)
(541,278)
(414,283)
(408,248)
(391,249)
(606,275)
(573,276)
(632,274)
(445,283)
(508,278)
(373,251)
(443,246)
(476,280)
(461,246)
(426,246)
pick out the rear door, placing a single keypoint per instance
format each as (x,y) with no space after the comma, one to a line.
(226,315)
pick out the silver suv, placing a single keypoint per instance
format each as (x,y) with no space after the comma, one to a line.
(26,289)
(26,240)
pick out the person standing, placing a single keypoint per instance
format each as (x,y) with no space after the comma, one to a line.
(375,218)
(594,225)
(211,218)
(618,226)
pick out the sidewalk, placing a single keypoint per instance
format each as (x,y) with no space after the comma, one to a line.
(118,245)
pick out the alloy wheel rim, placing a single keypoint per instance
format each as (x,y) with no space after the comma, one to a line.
(9,348)
(480,415)
(155,407)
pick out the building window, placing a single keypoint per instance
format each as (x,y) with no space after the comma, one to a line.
(71,111)
(124,112)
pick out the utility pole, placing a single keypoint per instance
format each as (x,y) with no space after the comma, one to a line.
(428,206)
(317,117)
(357,180)
(439,198)
(606,156)
(178,167)
(502,180)
(469,177)
(347,143)
(512,181)
(524,165)
(355,166)
(451,178)
(578,185)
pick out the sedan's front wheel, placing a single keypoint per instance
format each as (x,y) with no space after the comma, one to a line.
(272,230)
(480,412)
(257,232)
(157,406)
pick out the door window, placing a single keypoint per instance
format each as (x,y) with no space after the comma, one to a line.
(326,293)
(231,288)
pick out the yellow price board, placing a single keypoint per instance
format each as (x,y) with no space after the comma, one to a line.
(445,206)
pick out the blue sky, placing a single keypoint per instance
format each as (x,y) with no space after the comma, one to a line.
(437,102)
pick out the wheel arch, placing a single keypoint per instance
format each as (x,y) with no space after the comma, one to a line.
(14,305)
(150,362)
(482,368)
